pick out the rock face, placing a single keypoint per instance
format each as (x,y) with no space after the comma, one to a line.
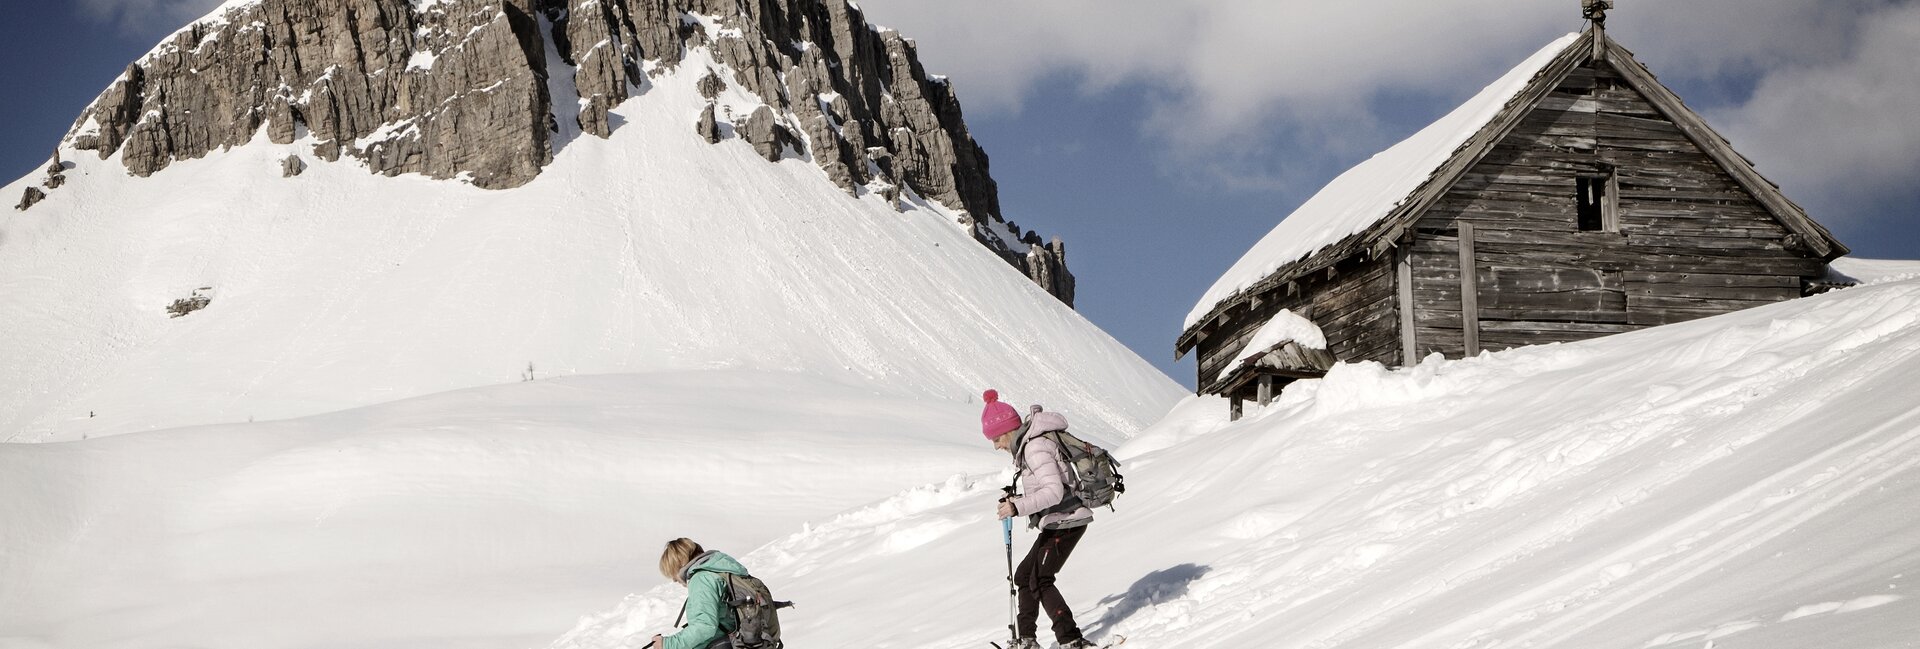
(29,197)
(460,89)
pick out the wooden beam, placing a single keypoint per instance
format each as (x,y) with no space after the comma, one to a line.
(1266,389)
(1469,293)
(1405,286)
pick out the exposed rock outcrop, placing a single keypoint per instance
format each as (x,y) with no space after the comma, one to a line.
(56,173)
(768,137)
(460,89)
(707,127)
(292,166)
(1047,266)
(29,198)
(447,89)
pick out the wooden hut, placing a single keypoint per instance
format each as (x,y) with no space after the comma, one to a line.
(1575,197)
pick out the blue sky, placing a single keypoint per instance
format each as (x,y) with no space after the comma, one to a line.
(1162,138)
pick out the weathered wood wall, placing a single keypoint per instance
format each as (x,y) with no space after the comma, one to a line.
(1353,305)
(1690,241)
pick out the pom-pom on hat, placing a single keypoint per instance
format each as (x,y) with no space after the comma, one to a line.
(997,418)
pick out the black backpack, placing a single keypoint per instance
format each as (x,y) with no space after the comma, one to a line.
(755,610)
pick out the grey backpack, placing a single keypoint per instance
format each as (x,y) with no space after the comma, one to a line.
(754,609)
(1093,474)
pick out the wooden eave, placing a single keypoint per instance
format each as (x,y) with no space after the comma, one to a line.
(1388,232)
(1250,368)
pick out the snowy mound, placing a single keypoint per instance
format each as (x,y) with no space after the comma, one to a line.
(651,250)
(1744,480)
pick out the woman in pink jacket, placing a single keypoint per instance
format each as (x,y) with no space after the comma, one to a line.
(1049,505)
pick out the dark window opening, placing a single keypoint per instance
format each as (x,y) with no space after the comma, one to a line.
(1595,203)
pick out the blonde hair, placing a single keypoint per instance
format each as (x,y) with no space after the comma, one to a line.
(675,558)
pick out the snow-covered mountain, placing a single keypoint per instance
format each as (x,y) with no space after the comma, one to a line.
(870,250)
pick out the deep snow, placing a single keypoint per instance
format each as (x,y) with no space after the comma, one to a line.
(1748,480)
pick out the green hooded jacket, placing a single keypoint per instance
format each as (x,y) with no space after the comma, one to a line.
(708,616)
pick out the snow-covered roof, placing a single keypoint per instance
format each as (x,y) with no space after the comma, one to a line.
(1371,190)
(1284,327)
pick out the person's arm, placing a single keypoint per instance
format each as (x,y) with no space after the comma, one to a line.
(1046,485)
(706,602)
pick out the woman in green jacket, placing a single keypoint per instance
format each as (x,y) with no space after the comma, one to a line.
(703,572)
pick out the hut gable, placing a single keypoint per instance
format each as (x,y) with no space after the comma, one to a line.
(1575,197)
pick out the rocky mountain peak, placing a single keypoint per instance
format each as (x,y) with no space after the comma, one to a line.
(478,90)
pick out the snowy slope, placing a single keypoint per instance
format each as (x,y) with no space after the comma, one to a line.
(488,517)
(1748,480)
(649,251)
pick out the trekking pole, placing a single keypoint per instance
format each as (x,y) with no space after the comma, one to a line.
(1013,590)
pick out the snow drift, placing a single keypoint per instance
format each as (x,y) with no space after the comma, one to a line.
(1744,480)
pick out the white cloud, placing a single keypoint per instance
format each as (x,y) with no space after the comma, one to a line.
(1266,94)
(1834,132)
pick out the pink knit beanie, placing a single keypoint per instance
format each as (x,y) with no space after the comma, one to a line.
(998,418)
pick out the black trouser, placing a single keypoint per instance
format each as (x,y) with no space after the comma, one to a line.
(1035,579)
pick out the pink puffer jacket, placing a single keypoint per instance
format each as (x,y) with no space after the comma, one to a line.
(1043,476)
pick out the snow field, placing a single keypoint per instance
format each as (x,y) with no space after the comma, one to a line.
(485,517)
(1746,480)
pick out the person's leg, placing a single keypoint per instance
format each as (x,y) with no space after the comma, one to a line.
(1026,624)
(1049,554)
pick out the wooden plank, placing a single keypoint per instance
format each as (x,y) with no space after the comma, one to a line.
(1561,315)
(1697,291)
(1500,340)
(1469,293)
(1654,316)
(1684,194)
(1544,326)
(1666,228)
(1405,285)
(1611,125)
(1717,245)
(1522,255)
(1708,279)
(1635,301)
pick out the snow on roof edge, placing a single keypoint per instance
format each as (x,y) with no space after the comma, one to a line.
(1371,190)
(1283,327)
